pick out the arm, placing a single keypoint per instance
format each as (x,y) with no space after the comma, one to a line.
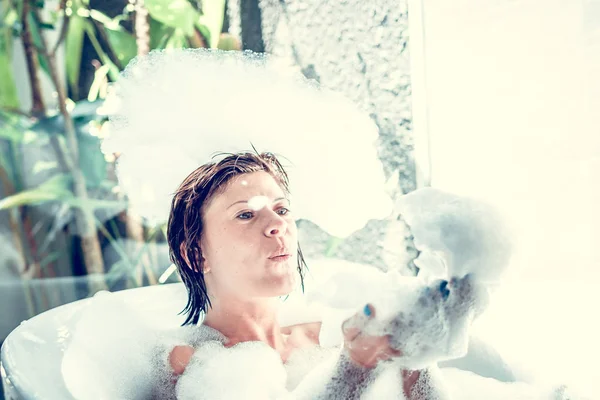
(355,368)
(337,378)
(349,380)
(365,352)
(423,385)
(179,358)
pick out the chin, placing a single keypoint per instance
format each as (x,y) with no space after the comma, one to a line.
(280,286)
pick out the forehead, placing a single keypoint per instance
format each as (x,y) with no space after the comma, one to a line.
(245,186)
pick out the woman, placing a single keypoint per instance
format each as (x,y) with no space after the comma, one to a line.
(233,237)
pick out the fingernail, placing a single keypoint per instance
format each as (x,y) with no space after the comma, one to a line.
(444,289)
(443,286)
(367,310)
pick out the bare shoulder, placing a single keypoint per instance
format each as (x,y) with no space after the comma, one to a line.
(180,357)
(313,329)
(303,334)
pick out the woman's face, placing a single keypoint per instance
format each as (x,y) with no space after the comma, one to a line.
(249,242)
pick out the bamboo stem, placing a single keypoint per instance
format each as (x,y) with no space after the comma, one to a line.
(18,226)
(63,29)
(38,108)
(84,217)
(142,28)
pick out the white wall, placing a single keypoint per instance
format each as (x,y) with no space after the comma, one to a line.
(508,100)
(511,98)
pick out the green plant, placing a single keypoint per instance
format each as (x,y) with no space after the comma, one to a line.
(80,168)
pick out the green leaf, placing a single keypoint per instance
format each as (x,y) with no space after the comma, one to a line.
(229,42)
(37,40)
(99,77)
(212,18)
(50,258)
(177,40)
(73,48)
(174,13)
(95,204)
(113,72)
(123,44)
(41,166)
(11,133)
(55,188)
(46,25)
(159,34)
(105,20)
(11,17)
(91,160)
(205,32)
(30,136)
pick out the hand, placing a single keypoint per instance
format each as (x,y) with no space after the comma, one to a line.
(363,349)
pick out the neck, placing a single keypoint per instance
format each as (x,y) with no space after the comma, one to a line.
(246,321)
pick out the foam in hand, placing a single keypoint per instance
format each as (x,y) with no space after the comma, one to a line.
(456,235)
(463,242)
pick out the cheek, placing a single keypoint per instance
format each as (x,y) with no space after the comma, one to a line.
(292,228)
(217,246)
(233,247)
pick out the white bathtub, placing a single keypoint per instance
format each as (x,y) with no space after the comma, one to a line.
(32,354)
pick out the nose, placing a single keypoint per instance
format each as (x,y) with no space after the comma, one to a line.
(276,227)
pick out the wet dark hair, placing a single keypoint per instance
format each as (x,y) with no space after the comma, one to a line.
(185,225)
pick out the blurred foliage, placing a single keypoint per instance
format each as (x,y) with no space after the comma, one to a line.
(82,28)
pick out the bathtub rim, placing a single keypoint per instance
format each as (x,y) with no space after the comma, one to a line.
(20,384)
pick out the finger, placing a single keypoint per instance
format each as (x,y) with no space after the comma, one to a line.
(368,346)
(437,290)
(444,289)
(350,335)
(391,352)
(369,311)
(372,359)
(383,356)
(286,330)
(354,325)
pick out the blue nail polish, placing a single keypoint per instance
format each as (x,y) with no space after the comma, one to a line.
(367,311)
(444,289)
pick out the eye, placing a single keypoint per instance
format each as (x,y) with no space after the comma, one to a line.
(283,211)
(245,215)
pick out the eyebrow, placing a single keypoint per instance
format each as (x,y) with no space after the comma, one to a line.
(245,201)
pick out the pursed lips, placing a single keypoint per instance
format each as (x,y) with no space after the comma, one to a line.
(281,254)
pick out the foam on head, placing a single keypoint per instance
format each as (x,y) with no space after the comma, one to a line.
(172,111)
(256,203)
